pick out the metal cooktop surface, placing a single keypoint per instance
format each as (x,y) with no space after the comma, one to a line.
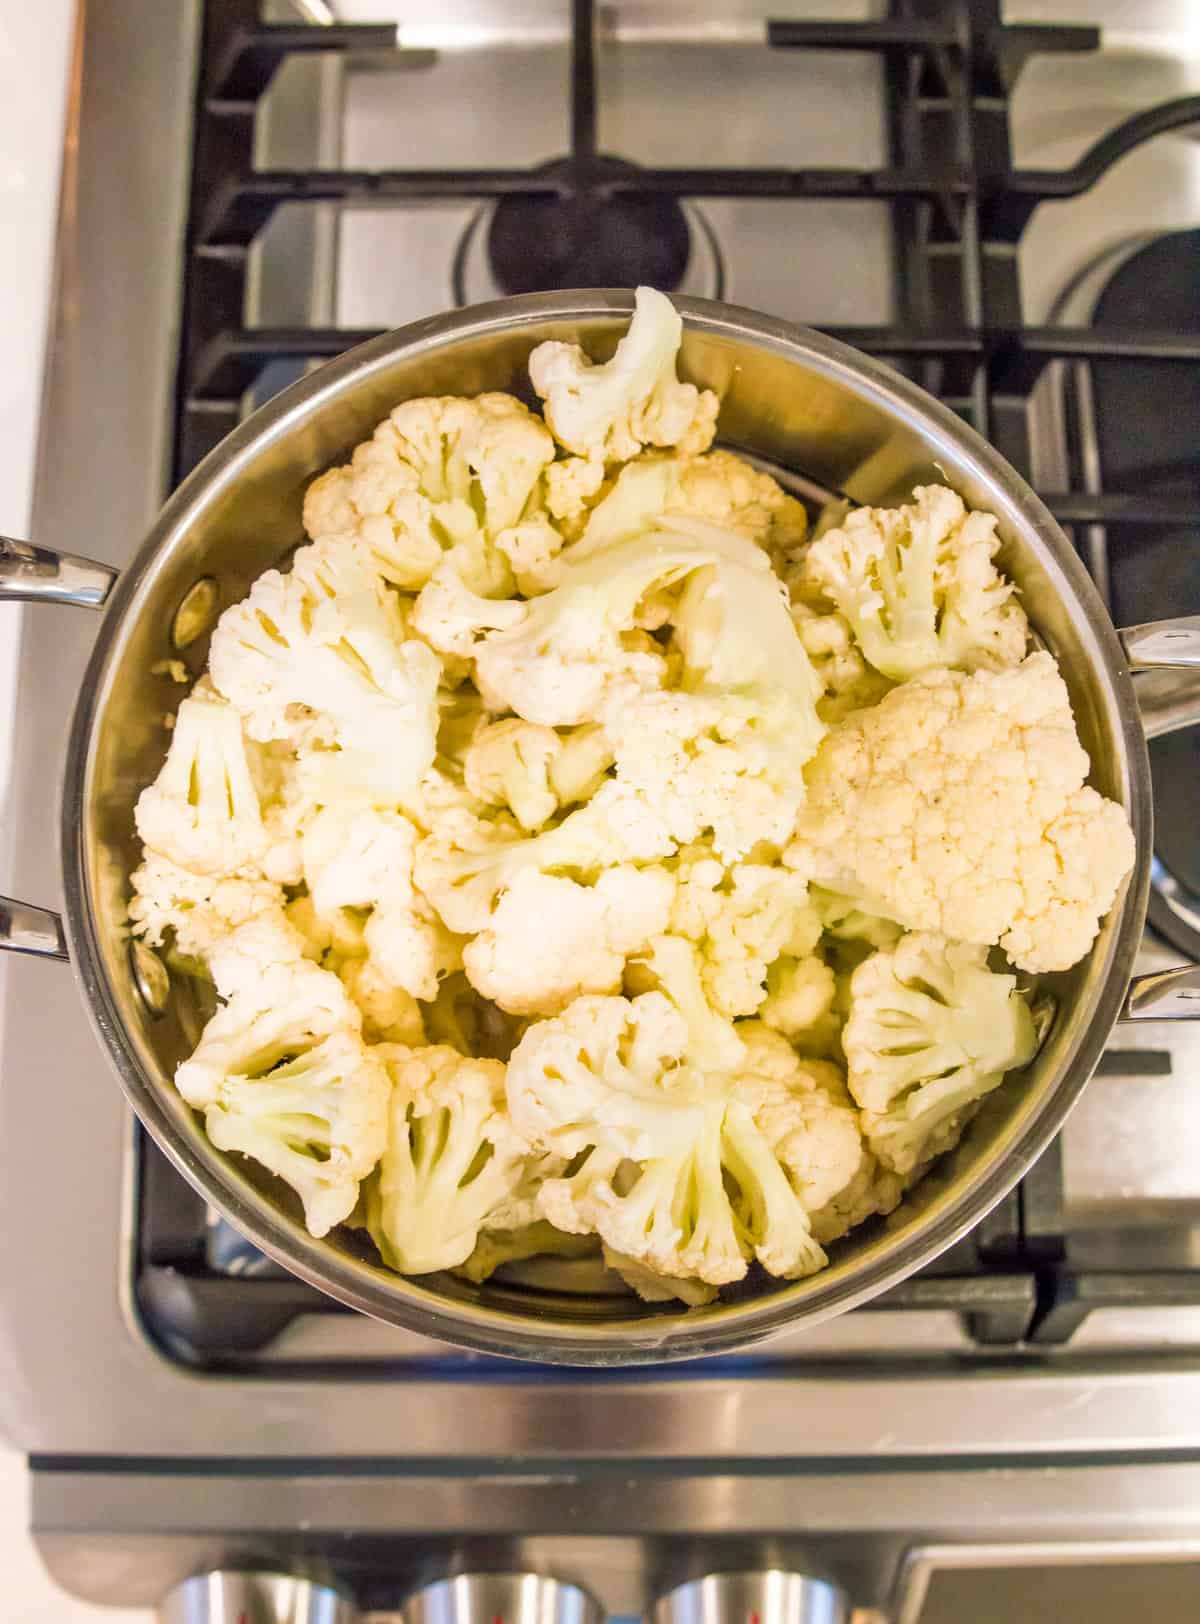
(245,196)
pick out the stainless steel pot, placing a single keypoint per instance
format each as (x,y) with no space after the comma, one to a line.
(789,396)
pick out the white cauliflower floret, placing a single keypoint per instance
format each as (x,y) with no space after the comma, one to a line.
(531,549)
(508,764)
(608,412)
(848,920)
(551,939)
(918,586)
(569,649)
(496,1247)
(202,811)
(741,919)
(800,1000)
(931,1031)
(809,1119)
(570,486)
(283,1076)
(330,641)
(389,1014)
(848,682)
(532,770)
(726,752)
(238,961)
(432,474)
(364,859)
(657,1288)
(727,491)
(199,909)
(956,805)
(613,1082)
(451,618)
(452,1165)
(463,873)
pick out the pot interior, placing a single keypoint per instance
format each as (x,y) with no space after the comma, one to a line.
(793,398)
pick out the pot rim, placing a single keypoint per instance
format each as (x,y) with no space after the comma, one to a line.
(654,1337)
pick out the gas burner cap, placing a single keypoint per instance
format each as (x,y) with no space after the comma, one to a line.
(539,244)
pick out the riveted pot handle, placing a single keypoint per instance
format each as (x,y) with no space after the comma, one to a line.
(36,575)
(1164,657)
(26,929)
(1167,995)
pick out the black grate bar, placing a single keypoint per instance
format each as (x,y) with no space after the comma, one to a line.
(229,364)
(1067,1296)
(889,34)
(1008,212)
(241,210)
(249,62)
(231,361)
(1123,507)
(583,80)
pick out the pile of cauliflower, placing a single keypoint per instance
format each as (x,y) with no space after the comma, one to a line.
(584,856)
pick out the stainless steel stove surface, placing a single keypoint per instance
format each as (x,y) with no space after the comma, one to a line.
(182,1398)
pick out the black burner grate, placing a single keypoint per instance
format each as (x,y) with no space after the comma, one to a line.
(958,208)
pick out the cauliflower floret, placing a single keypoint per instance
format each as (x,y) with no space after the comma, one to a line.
(531,549)
(810,1121)
(657,1288)
(283,1076)
(451,618)
(568,649)
(551,939)
(452,1165)
(508,764)
(433,474)
(496,1247)
(463,872)
(801,993)
(364,859)
(727,491)
(532,770)
(849,683)
(726,752)
(741,919)
(848,920)
(956,805)
(389,1014)
(613,1082)
(202,811)
(931,1031)
(237,962)
(570,486)
(607,413)
(200,909)
(330,640)
(918,586)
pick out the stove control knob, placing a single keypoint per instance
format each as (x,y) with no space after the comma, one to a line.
(502,1598)
(255,1598)
(767,1597)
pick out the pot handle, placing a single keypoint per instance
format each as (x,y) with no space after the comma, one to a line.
(36,575)
(26,929)
(1167,995)
(1164,659)
(32,574)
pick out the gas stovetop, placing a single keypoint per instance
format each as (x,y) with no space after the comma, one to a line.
(1008,214)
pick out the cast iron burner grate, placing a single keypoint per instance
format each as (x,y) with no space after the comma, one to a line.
(958,207)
